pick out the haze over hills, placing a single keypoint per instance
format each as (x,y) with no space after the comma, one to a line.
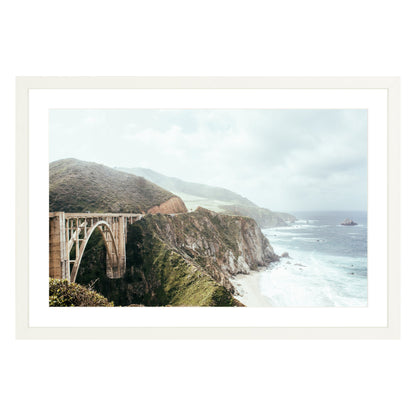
(78,186)
(179,186)
(214,198)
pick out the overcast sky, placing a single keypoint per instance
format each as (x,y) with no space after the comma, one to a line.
(287,160)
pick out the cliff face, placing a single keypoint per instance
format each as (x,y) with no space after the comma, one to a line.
(173,205)
(212,245)
(157,275)
(180,260)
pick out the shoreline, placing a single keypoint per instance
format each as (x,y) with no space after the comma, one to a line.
(248,287)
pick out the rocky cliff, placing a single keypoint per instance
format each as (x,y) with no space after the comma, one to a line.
(189,259)
(171,206)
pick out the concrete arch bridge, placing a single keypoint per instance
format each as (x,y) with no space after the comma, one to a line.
(69,234)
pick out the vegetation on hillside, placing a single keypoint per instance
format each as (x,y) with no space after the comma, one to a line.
(166,277)
(63,293)
(156,274)
(77,186)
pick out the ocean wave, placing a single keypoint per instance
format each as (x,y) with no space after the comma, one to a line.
(308,239)
(326,266)
(311,284)
(351,226)
(282,234)
(308,226)
(314,278)
(301,221)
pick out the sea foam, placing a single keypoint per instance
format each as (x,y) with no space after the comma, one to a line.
(327,266)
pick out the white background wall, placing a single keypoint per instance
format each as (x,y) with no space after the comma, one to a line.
(290,38)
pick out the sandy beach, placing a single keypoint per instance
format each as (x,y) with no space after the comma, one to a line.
(248,287)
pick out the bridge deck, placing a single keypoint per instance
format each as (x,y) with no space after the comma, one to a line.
(95,214)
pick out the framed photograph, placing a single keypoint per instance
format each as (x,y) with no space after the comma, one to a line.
(239,208)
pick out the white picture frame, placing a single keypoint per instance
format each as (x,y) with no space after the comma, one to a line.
(26,329)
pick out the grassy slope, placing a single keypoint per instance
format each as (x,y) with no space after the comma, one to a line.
(77,186)
(176,282)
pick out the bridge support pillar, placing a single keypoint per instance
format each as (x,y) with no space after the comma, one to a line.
(122,239)
(116,263)
(58,256)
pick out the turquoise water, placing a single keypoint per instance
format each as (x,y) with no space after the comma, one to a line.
(327,263)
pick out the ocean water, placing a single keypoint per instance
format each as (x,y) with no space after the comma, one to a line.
(327,263)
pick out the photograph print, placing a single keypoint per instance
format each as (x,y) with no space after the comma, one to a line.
(208,207)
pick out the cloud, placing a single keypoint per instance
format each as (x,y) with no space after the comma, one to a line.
(282,159)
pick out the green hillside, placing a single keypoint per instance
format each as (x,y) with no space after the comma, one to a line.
(78,186)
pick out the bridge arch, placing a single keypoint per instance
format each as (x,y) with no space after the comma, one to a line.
(113,257)
(69,230)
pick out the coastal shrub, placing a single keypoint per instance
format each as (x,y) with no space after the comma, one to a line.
(63,293)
